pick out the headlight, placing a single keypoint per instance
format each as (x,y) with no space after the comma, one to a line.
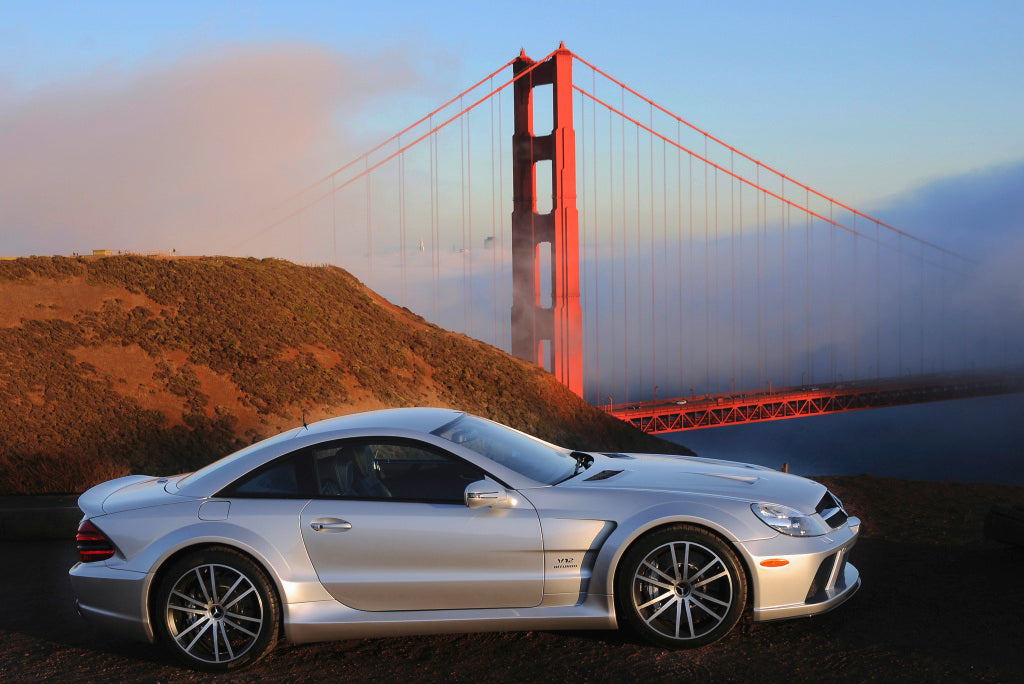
(789,520)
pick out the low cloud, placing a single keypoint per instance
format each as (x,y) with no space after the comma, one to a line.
(976,214)
(193,156)
(980,215)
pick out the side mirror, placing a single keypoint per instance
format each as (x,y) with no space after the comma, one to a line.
(487,492)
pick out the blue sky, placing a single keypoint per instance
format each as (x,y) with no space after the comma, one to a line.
(863,101)
(865,98)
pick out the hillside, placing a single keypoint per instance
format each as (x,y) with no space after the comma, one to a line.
(123,365)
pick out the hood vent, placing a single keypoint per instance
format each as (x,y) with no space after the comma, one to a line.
(745,479)
(603,475)
(622,456)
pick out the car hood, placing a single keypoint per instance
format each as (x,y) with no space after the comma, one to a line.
(701,476)
(127,493)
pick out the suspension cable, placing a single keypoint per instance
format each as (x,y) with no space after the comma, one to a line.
(781,175)
(368,168)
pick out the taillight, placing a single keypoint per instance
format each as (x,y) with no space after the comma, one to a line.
(93,545)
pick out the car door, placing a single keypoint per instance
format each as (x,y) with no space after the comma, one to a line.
(390,530)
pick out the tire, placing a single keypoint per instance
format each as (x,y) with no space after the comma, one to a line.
(681,587)
(216,610)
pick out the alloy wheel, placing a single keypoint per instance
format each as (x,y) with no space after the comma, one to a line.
(214,613)
(682,590)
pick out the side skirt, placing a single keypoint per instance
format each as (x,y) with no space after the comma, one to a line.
(330,620)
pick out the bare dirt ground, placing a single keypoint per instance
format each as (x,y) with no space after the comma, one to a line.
(938,603)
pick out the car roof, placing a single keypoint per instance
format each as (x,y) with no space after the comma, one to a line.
(419,419)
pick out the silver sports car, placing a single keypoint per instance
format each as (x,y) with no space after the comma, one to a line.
(417,521)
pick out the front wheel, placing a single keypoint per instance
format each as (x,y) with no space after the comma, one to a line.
(681,587)
(216,610)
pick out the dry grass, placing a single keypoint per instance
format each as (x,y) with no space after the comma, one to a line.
(129,364)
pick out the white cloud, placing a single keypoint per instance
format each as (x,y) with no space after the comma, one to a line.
(190,155)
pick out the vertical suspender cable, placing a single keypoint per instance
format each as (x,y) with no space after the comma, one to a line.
(757,202)
(494,249)
(831,295)
(679,251)
(732,266)
(743,283)
(625,253)
(469,224)
(856,299)
(462,198)
(401,222)
(663,273)
(435,270)
(501,218)
(611,252)
(639,267)
(742,286)
(878,302)
(716,294)
(807,288)
(692,279)
(707,279)
(744,294)
(654,329)
(785,308)
(596,268)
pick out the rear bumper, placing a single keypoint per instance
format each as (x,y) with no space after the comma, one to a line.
(113,599)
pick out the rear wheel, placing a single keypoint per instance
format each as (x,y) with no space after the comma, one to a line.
(681,587)
(216,610)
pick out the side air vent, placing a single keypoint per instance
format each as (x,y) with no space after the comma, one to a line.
(603,475)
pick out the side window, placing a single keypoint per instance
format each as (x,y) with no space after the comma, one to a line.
(391,470)
(286,477)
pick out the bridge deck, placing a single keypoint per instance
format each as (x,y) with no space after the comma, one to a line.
(689,413)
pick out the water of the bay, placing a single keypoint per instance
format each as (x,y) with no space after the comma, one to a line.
(967,440)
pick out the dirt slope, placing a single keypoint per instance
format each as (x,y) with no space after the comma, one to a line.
(130,364)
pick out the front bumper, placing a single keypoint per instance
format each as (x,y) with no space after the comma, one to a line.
(816,578)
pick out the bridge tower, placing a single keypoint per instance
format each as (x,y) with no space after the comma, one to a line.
(561,324)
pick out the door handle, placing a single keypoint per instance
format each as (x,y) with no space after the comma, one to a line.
(333,526)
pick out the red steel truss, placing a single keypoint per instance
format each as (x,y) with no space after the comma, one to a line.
(689,413)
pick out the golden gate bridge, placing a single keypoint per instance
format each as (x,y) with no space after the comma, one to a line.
(663,261)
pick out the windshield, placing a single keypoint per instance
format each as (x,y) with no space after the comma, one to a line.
(515,450)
